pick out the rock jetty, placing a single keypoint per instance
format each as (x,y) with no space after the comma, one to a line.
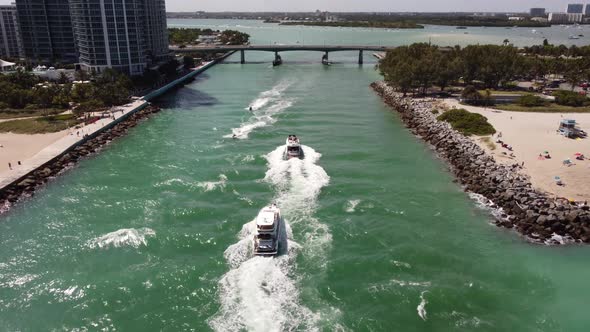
(32,182)
(534,214)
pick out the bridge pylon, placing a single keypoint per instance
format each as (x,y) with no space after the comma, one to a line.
(242,56)
(360,57)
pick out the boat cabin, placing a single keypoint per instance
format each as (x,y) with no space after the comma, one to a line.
(267,221)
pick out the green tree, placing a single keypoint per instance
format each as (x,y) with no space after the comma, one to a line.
(91,105)
(170,68)
(188,62)
(574,72)
(63,78)
(82,92)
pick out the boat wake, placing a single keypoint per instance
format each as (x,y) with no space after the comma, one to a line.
(298,183)
(261,293)
(127,237)
(212,185)
(264,109)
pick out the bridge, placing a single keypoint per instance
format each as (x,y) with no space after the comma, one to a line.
(326,49)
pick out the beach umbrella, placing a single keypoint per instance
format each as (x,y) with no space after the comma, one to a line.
(577,154)
(557,178)
(546,152)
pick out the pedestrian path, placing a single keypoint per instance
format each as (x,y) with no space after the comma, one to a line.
(75,137)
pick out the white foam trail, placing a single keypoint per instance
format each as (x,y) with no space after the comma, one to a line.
(298,183)
(123,237)
(212,185)
(259,293)
(264,108)
(248,158)
(352,204)
(422,306)
(486,204)
(260,296)
(559,239)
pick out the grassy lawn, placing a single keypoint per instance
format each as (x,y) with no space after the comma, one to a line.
(22,113)
(549,108)
(44,125)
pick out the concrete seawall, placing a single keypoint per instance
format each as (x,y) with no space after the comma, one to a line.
(178,82)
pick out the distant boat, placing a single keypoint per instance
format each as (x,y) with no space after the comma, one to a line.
(293,148)
(574,37)
(462,28)
(278,61)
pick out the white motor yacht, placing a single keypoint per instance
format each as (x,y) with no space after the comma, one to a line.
(293,148)
(268,226)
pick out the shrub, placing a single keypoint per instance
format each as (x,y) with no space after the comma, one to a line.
(530,101)
(91,105)
(434,112)
(570,98)
(471,96)
(468,123)
(510,86)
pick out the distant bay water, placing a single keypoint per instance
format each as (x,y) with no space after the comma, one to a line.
(154,232)
(270,33)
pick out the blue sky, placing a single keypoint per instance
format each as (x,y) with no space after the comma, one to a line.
(364,5)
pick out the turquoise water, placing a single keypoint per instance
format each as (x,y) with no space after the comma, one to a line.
(154,232)
(270,33)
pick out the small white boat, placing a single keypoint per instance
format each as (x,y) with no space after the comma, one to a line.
(293,148)
(268,231)
(574,37)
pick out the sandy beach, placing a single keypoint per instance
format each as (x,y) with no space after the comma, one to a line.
(531,134)
(18,147)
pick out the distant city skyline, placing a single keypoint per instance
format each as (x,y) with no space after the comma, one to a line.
(367,5)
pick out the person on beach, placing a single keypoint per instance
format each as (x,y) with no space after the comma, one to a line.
(9,165)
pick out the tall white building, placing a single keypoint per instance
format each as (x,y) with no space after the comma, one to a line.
(558,18)
(575,8)
(10,42)
(127,35)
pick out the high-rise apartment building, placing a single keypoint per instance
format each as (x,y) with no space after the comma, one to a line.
(46,30)
(575,8)
(587,12)
(10,43)
(558,18)
(537,12)
(126,35)
(156,29)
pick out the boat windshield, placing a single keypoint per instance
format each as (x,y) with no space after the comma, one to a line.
(264,236)
(293,149)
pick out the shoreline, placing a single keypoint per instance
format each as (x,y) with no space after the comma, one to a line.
(530,135)
(532,213)
(22,181)
(27,186)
